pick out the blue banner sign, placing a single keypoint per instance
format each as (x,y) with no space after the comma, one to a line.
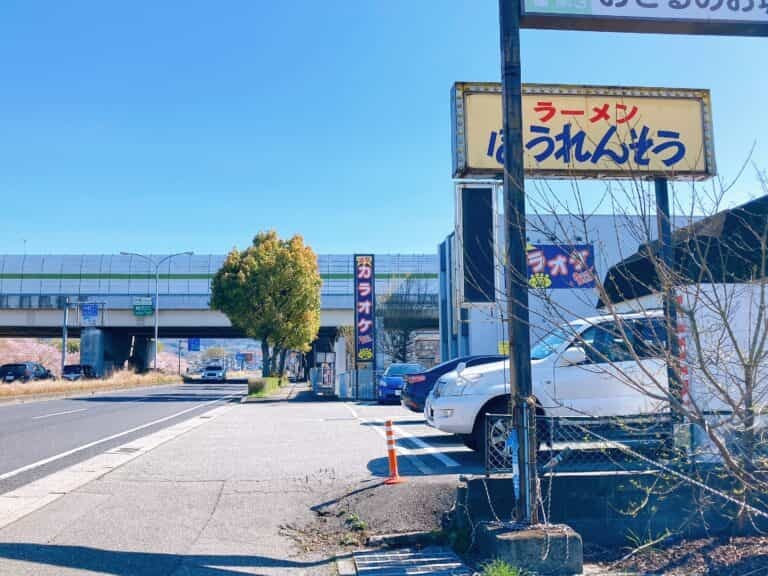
(365,309)
(561,266)
(193,344)
(89,314)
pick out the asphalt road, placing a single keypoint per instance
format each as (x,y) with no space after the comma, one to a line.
(237,494)
(38,438)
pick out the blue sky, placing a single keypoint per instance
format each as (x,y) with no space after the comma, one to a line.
(190,125)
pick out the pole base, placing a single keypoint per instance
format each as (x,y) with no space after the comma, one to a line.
(394,480)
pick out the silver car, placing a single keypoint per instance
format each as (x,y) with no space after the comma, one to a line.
(214,373)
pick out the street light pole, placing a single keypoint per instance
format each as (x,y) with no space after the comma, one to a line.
(157,314)
(157,289)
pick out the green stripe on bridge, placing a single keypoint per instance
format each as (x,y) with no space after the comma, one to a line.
(87,276)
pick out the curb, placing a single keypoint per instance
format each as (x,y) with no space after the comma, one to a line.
(280,394)
(403,539)
(345,566)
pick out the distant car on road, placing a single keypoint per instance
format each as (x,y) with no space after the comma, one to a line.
(24,372)
(418,386)
(74,372)
(392,381)
(214,373)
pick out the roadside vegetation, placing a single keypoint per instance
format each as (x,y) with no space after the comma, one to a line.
(117,381)
(271,292)
(260,387)
(500,568)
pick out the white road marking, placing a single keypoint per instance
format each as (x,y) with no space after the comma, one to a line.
(58,413)
(39,493)
(445,459)
(423,467)
(50,459)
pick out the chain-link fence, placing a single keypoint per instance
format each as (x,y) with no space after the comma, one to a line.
(642,451)
(584,444)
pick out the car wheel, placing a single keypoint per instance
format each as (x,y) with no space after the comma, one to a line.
(479,432)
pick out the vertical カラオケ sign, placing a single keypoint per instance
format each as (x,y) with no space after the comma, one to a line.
(365,309)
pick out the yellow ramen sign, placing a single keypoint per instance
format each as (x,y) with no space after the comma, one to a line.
(587,132)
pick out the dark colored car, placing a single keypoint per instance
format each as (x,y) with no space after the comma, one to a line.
(391,382)
(24,372)
(74,372)
(418,386)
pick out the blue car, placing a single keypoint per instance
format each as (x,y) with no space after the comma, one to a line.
(391,382)
(418,386)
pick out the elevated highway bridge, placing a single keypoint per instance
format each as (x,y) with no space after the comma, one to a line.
(35,288)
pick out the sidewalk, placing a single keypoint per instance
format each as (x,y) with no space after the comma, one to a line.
(211,502)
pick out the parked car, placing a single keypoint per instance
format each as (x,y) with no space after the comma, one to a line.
(570,379)
(391,382)
(418,386)
(214,373)
(74,372)
(24,372)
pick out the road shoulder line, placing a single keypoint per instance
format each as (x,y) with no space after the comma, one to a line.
(61,455)
(26,499)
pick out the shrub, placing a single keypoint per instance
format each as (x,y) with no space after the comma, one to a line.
(500,568)
(256,385)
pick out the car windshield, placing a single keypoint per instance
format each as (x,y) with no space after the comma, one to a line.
(213,367)
(402,369)
(73,369)
(549,344)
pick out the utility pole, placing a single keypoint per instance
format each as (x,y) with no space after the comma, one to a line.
(521,408)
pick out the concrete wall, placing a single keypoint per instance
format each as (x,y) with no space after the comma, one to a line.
(606,508)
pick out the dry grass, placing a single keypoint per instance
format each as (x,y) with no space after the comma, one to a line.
(119,380)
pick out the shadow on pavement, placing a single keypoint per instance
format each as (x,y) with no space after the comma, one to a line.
(327,503)
(143,563)
(469,463)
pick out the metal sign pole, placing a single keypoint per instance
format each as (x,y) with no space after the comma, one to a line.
(666,280)
(516,265)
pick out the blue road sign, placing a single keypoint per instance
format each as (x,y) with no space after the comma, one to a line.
(89,313)
(193,344)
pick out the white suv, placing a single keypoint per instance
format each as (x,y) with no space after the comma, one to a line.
(214,373)
(570,374)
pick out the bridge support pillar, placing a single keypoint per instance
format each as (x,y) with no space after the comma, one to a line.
(117,349)
(103,349)
(143,353)
(92,349)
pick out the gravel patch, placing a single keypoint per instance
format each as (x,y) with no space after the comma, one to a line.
(347,520)
(737,556)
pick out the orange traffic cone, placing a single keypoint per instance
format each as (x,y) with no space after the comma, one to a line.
(394,476)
